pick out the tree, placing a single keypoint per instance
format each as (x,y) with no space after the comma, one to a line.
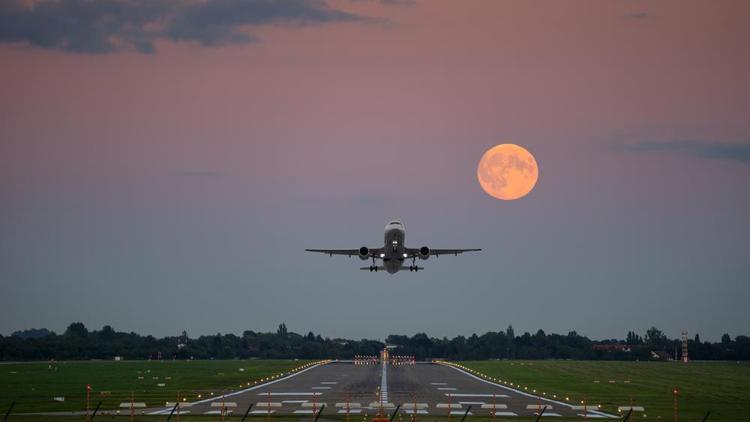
(510,333)
(77,329)
(656,338)
(726,340)
(281,332)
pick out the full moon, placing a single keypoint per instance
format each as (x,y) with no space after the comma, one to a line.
(507,171)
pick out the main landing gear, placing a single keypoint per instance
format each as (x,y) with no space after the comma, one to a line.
(414,267)
(373,268)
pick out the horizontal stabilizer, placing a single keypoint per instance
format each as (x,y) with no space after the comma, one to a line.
(382,268)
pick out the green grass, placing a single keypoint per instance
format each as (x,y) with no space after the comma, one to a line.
(33,385)
(721,387)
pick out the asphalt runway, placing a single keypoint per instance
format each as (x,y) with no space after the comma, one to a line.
(424,388)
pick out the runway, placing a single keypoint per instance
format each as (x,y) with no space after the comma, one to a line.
(423,388)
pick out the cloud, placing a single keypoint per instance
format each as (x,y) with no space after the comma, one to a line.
(98,26)
(696,148)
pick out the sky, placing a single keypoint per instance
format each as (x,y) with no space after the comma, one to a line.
(163,165)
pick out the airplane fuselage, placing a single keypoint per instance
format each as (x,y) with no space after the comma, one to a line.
(393,250)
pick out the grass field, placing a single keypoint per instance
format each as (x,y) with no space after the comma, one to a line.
(720,387)
(33,385)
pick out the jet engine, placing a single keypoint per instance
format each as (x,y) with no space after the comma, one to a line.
(424,252)
(364,253)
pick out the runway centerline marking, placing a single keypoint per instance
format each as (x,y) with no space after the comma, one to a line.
(384,383)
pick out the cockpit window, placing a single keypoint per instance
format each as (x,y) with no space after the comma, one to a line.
(395,222)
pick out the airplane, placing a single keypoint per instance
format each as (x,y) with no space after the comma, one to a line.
(394,252)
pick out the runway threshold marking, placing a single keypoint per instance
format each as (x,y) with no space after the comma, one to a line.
(321,388)
(446,389)
(329,382)
(343,411)
(294,401)
(606,415)
(505,414)
(439,383)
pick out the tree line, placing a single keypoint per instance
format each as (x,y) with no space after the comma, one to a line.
(77,342)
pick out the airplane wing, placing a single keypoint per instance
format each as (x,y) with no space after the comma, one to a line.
(375,252)
(414,252)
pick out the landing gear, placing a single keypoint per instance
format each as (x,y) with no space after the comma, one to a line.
(414,267)
(373,268)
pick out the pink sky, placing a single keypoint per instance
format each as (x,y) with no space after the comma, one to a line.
(397,110)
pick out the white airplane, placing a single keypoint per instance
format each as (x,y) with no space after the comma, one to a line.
(394,251)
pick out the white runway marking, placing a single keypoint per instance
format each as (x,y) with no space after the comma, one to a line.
(538,406)
(418,412)
(306,412)
(460,412)
(290,394)
(439,383)
(545,414)
(505,414)
(321,388)
(329,382)
(357,411)
(255,387)
(217,412)
(476,395)
(446,389)
(591,415)
(294,401)
(523,393)
(480,403)
(495,406)
(261,412)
